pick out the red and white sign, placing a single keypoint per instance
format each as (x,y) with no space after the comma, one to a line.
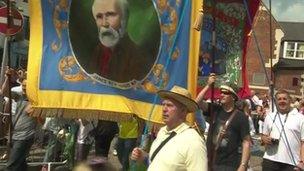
(16,22)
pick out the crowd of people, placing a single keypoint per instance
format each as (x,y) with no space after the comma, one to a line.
(220,140)
(233,122)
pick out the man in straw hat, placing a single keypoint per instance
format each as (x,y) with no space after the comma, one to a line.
(177,146)
(228,129)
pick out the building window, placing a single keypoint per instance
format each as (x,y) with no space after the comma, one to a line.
(294,50)
(259,79)
(295,81)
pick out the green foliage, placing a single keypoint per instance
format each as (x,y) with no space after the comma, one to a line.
(143,22)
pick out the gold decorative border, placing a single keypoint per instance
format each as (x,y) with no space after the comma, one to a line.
(69,101)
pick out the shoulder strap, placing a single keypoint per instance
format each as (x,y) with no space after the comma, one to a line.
(227,123)
(162,144)
(224,130)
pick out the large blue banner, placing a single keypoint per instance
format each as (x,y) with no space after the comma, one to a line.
(108,57)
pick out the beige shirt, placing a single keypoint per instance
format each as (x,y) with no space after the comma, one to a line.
(185,151)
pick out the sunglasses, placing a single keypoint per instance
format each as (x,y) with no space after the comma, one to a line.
(225,92)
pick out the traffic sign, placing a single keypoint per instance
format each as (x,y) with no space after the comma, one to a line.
(16,21)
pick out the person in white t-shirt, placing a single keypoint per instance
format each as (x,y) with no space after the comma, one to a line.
(283,136)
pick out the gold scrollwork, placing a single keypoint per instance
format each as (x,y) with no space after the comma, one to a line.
(162,5)
(159,76)
(170,28)
(61,7)
(148,86)
(69,70)
(175,54)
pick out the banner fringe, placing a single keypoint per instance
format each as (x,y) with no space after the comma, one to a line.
(83,114)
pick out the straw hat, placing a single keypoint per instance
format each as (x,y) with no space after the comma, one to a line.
(181,95)
(230,88)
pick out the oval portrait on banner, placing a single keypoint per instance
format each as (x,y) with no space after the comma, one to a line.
(115,40)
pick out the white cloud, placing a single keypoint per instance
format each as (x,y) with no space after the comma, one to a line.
(292,13)
(287,10)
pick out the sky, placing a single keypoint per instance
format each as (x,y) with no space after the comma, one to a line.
(287,10)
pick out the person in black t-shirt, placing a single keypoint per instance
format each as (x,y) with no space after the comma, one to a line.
(223,144)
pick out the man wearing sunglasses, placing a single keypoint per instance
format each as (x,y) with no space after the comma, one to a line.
(228,131)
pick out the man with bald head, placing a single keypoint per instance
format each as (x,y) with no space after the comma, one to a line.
(117,57)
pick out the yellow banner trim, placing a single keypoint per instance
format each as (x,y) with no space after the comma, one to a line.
(52,99)
(193,54)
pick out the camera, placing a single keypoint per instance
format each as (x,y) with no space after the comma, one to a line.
(275,141)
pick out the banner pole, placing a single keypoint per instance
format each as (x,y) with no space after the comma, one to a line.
(10,130)
(272,83)
(4,60)
(212,151)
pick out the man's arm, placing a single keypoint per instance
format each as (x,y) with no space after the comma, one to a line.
(302,151)
(4,89)
(140,156)
(265,138)
(10,75)
(245,153)
(300,164)
(199,99)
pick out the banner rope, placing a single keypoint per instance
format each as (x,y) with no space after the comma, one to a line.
(287,144)
(148,122)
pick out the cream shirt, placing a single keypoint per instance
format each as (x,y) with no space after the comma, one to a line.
(185,151)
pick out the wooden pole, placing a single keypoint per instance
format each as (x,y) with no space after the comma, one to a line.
(272,85)
(211,150)
(10,130)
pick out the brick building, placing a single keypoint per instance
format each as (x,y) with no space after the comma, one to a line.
(287,54)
